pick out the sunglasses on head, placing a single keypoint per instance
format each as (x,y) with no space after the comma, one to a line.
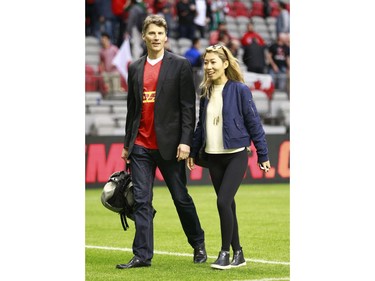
(217,47)
(214,47)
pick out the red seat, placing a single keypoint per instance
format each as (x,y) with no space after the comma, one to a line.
(275,10)
(91,83)
(238,9)
(257,9)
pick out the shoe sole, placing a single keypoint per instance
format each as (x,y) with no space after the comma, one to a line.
(203,261)
(124,267)
(241,264)
(216,266)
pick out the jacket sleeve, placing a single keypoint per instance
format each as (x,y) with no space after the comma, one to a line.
(253,124)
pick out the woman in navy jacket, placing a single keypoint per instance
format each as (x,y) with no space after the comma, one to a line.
(228,123)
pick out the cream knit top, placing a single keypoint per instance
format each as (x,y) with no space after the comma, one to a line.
(214,123)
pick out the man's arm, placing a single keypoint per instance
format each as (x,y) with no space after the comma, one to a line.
(187,103)
(130,108)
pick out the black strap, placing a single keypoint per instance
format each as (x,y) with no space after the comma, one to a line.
(127,167)
(124,222)
(123,219)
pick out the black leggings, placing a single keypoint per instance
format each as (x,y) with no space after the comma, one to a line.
(227,172)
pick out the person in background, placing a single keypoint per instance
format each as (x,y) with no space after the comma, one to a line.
(202,18)
(219,10)
(166,12)
(223,39)
(118,9)
(157,6)
(106,20)
(266,8)
(254,57)
(234,45)
(278,58)
(136,14)
(109,72)
(283,19)
(228,123)
(158,133)
(217,35)
(90,17)
(194,56)
(186,11)
(250,34)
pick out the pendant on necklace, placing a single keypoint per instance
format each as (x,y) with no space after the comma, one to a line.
(216,120)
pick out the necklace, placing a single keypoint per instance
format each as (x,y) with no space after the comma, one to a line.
(216,120)
(216,107)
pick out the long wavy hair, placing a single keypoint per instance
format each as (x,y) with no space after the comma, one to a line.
(232,72)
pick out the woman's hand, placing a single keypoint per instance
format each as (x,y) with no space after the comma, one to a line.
(190,163)
(265,166)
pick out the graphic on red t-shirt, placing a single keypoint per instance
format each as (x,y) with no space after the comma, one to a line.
(146,134)
(149,97)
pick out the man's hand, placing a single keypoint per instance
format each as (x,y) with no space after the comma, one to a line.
(124,155)
(183,152)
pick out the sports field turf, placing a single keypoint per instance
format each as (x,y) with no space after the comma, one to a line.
(263,215)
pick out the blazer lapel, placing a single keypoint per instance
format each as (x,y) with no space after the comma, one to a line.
(163,71)
(140,71)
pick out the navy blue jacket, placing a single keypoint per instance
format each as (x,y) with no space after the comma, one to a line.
(241,122)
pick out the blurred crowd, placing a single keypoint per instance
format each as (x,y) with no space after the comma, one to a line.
(112,21)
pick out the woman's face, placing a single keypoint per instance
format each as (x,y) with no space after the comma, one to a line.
(214,68)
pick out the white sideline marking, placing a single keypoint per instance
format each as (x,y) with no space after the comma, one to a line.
(188,255)
(266,279)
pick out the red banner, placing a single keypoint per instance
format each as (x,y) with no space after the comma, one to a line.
(103,157)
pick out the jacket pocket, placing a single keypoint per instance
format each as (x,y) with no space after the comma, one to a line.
(238,122)
(237,129)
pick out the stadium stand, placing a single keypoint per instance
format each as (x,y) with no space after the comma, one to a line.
(256,9)
(107,116)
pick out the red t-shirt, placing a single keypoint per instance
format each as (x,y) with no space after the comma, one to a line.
(146,133)
(248,36)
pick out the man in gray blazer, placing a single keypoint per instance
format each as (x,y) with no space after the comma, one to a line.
(158,133)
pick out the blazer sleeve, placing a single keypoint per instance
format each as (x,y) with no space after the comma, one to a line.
(187,103)
(130,107)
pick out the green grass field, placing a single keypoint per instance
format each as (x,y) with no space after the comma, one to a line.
(263,214)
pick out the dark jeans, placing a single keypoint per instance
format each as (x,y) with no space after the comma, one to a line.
(143,166)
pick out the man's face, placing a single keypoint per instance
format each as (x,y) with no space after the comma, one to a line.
(155,38)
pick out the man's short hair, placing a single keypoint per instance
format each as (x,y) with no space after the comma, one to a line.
(154,19)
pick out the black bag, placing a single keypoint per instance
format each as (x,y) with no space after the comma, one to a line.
(118,196)
(201,159)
